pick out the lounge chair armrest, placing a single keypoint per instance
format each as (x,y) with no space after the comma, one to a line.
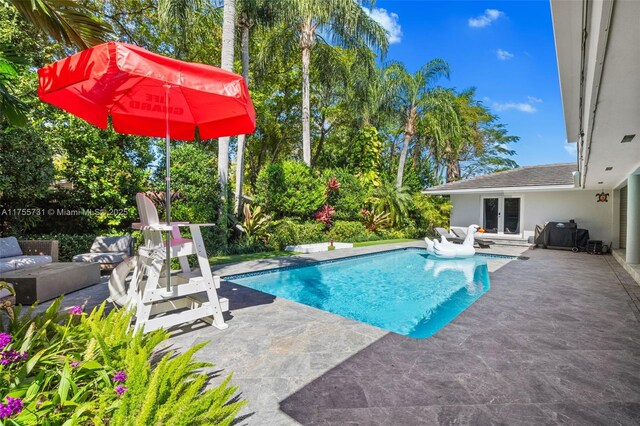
(158,227)
(40,248)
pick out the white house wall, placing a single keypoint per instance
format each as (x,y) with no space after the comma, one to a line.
(545,206)
(466,210)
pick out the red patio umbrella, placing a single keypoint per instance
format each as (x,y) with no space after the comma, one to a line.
(147,94)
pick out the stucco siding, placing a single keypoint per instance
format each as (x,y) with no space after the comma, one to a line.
(465,209)
(544,206)
(582,206)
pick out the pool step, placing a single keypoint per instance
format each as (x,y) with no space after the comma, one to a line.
(521,242)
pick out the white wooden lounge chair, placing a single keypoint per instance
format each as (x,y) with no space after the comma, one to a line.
(452,238)
(192,294)
(482,243)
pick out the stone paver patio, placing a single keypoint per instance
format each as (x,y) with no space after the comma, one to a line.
(555,341)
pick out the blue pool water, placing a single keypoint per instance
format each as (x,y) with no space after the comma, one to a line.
(404,291)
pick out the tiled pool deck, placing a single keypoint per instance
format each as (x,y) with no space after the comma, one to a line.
(555,341)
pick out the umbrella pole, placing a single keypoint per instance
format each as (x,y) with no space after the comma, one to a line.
(167,194)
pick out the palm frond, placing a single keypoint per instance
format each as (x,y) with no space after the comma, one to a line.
(64,20)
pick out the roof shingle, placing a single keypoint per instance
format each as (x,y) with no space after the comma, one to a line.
(544,175)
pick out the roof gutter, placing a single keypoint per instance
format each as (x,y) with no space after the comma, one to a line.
(601,50)
(499,190)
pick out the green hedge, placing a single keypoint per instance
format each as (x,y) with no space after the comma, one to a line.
(348,231)
(287,232)
(289,189)
(69,244)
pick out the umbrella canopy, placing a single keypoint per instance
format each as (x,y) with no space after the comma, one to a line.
(130,84)
(147,94)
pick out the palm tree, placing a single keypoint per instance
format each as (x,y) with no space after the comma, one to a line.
(439,125)
(412,93)
(393,200)
(65,21)
(252,12)
(226,63)
(347,25)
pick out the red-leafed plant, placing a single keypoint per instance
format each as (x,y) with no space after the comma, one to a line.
(333,184)
(325,215)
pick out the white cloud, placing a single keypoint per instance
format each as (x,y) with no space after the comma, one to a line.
(571,148)
(389,21)
(533,99)
(485,19)
(518,106)
(503,55)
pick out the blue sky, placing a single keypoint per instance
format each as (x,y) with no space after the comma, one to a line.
(504,49)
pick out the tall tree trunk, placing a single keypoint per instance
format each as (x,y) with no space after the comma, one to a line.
(306,42)
(453,170)
(409,131)
(226,63)
(416,156)
(323,135)
(241,139)
(403,159)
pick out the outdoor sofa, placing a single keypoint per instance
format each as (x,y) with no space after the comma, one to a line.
(107,251)
(16,255)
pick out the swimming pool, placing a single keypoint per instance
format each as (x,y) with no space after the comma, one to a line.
(404,291)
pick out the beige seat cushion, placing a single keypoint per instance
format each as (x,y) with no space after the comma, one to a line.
(7,265)
(100,257)
(23,262)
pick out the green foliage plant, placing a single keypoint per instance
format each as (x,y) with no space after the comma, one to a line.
(76,368)
(350,197)
(345,231)
(26,171)
(430,212)
(392,199)
(373,221)
(255,224)
(289,189)
(288,232)
(365,156)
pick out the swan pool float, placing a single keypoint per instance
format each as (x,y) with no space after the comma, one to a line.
(466,267)
(449,250)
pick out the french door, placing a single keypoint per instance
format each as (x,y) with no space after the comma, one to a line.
(501,215)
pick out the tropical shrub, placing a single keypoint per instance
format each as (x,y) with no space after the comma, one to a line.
(389,198)
(255,224)
(283,233)
(68,244)
(192,176)
(287,232)
(289,189)
(78,368)
(373,221)
(349,197)
(348,231)
(310,232)
(26,171)
(430,212)
(365,155)
(325,215)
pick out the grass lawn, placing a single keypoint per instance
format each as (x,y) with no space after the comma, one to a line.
(220,260)
(375,243)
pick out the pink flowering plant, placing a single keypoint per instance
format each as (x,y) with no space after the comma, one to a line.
(78,367)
